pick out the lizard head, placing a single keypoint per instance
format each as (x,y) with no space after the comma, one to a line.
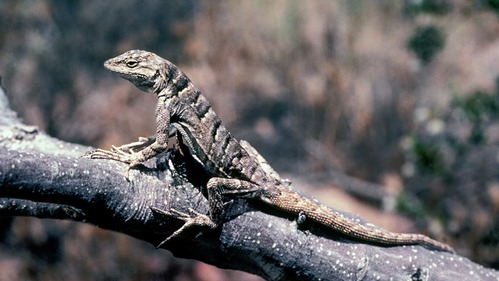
(142,68)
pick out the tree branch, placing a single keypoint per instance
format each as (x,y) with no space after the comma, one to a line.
(46,178)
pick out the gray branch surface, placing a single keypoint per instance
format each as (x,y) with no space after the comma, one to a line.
(47,178)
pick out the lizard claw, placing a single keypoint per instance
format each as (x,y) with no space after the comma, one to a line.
(126,174)
(116,149)
(133,147)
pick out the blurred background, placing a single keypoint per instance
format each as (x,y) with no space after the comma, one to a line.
(386,109)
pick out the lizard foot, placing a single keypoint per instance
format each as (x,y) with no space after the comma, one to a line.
(192,220)
(137,146)
(132,159)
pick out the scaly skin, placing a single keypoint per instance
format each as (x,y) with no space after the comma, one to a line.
(236,168)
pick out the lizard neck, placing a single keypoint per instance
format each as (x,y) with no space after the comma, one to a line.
(171,82)
(166,90)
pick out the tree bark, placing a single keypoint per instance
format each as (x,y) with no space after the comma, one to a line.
(47,178)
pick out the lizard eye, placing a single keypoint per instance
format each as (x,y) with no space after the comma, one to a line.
(132,63)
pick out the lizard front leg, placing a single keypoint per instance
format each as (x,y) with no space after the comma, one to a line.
(136,153)
(127,153)
(130,157)
(143,142)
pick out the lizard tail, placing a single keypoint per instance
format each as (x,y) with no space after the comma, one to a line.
(292,202)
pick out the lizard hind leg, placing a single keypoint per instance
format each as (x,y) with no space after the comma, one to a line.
(199,223)
(193,220)
(218,187)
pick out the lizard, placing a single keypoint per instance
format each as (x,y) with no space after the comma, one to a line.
(234,166)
